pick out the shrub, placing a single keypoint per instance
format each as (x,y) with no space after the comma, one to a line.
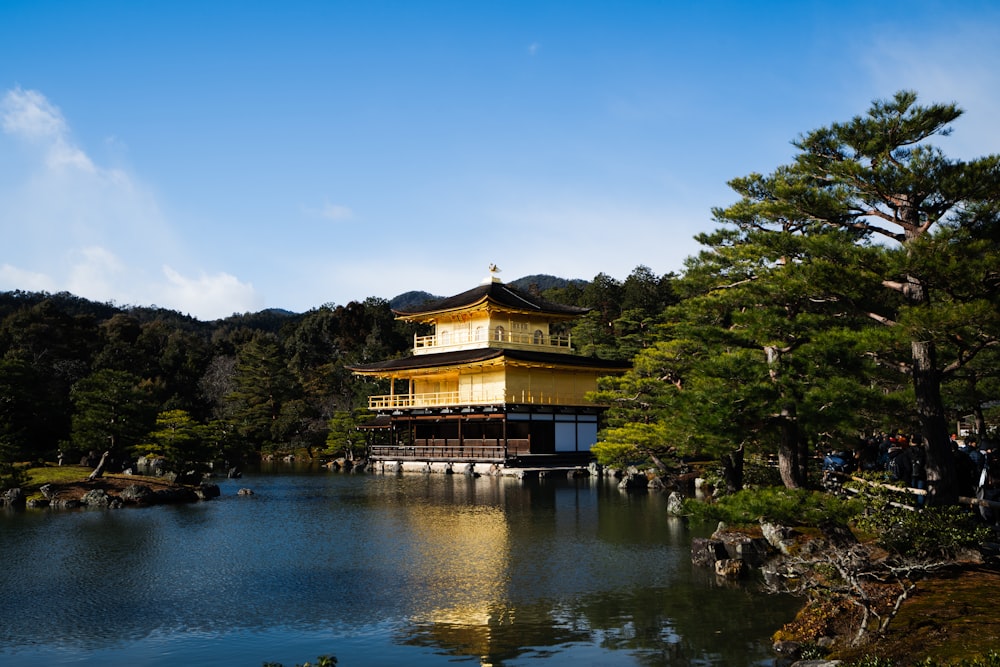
(615,455)
(932,532)
(12,476)
(776,504)
(758,472)
(321,661)
(991,659)
(873,661)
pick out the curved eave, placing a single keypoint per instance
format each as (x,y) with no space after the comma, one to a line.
(485,304)
(490,356)
(423,316)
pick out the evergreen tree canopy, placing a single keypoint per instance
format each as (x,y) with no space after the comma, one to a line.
(861,263)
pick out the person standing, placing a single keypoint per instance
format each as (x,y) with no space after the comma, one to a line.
(918,466)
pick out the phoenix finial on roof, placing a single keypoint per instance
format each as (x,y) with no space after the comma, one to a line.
(492,278)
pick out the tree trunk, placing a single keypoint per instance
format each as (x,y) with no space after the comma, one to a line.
(941,483)
(660,465)
(803,457)
(99,470)
(790,464)
(732,470)
(980,417)
(942,486)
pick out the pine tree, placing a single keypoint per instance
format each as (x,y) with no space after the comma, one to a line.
(112,412)
(263,385)
(878,177)
(181,441)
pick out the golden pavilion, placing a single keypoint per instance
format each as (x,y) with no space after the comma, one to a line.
(492,388)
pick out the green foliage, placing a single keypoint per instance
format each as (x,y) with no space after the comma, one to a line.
(779,332)
(990,659)
(342,436)
(263,384)
(800,259)
(48,340)
(112,411)
(811,651)
(49,343)
(321,661)
(222,437)
(616,454)
(181,441)
(21,407)
(760,473)
(934,532)
(623,315)
(12,476)
(872,661)
(776,504)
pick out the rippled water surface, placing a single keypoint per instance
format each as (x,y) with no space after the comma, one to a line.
(376,570)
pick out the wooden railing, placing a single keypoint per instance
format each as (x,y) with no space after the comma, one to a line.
(427,400)
(440,399)
(451,449)
(465,338)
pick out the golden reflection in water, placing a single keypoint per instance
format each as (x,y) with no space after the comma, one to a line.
(464,560)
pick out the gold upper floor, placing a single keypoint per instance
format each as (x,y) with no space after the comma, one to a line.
(481,336)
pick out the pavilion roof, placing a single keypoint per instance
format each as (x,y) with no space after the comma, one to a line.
(496,293)
(481,355)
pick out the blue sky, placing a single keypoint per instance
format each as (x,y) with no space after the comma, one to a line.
(221,157)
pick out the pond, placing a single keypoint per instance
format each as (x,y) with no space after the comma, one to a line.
(376,570)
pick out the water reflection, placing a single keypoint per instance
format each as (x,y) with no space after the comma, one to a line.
(513,571)
(377,570)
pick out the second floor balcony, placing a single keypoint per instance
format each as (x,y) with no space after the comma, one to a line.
(453,399)
(497,337)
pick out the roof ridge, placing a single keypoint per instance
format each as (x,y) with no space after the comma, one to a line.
(516,293)
(501,293)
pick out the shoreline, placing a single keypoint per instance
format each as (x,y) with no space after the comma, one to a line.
(111,490)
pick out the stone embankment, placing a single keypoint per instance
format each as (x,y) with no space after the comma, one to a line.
(107,493)
(733,554)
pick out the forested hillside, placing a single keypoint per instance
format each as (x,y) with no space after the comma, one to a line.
(79,376)
(82,377)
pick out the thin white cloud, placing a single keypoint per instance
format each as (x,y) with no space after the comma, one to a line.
(28,114)
(328,211)
(91,229)
(94,272)
(65,155)
(608,236)
(534,48)
(29,281)
(207,297)
(954,65)
(336,212)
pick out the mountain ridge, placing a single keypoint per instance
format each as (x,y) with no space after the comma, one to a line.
(274,316)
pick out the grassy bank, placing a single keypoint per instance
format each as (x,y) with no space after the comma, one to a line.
(72,482)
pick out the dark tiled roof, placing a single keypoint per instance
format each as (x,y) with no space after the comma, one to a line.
(485,354)
(567,360)
(377,422)
(431,360)
(498,293)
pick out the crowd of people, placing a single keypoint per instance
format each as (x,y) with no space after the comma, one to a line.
(904,458)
